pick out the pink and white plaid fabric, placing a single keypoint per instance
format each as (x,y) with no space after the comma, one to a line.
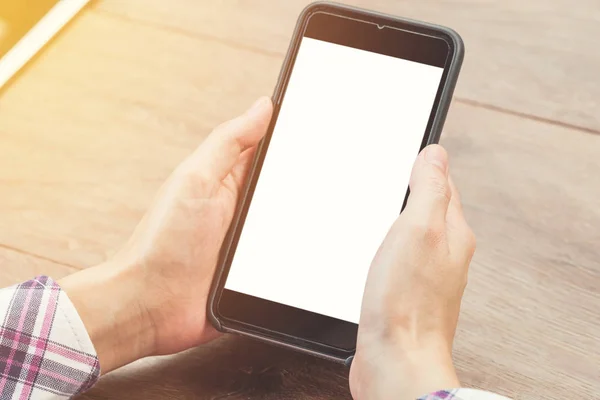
(45,351)
(462,394)
(442,395)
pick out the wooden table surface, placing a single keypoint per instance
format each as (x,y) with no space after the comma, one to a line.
(90,129)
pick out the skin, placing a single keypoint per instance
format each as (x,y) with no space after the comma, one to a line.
(142,303)
(413,292)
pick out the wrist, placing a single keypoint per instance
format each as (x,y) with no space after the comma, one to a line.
(428,369)
(108,300)
(385,369)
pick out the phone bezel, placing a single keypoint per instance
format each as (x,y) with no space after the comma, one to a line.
(432,134)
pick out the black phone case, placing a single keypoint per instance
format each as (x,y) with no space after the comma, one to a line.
(432,137)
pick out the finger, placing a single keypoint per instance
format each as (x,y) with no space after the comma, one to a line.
(455,211)
(429,188)
(219,153)
(241,168)
(460,236)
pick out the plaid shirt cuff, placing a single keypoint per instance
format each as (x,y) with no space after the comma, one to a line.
(462,394)
(45,351)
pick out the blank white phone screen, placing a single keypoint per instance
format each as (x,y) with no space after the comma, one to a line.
(334,177)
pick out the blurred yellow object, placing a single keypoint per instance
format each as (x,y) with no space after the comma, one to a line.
(25,27)
(3,30)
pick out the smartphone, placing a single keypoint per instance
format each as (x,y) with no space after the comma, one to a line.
(359,95)
(26,26)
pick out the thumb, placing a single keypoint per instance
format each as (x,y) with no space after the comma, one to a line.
(429,188)
(219,153)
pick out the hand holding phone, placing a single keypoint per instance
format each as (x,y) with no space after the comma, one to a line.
(150,298)
(413,293)
(360,93)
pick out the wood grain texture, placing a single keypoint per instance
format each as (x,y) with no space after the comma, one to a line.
(229,368)
(17,267)
(92,129)
(88,133)
(529,324)
(533,57)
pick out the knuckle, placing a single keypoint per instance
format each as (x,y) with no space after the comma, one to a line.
(431,235)
(464,235)
(228,130)
(189,171)
(470,240)
(434,236)
(464,282)
(223,127)
(439,186)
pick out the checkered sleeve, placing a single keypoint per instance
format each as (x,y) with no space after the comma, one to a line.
(462,394)
(45,351)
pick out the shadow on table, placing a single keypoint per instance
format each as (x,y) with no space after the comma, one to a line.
(230,367)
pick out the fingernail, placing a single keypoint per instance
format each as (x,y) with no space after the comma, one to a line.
(437,156)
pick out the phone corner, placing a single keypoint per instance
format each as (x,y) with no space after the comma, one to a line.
(215,321)
(348,361)
(211,310)
(456,37)
(314,7)
(457,43)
